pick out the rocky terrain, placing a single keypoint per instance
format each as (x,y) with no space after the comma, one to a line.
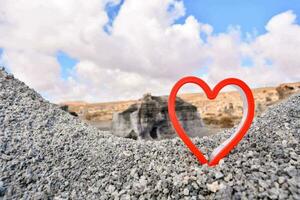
(46,153)
(149,119)
(223,112)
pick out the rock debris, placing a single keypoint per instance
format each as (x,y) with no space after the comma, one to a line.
(46,153)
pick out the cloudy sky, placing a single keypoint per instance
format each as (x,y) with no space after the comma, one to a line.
(104,50)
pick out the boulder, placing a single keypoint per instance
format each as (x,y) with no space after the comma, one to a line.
(149,119)
(66,108)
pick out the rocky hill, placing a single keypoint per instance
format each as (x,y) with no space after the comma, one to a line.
(223,112)
(46,153)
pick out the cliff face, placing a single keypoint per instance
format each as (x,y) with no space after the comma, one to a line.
(223,112)
(285,90)
(149,119)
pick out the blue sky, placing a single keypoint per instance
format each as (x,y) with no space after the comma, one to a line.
(248,15)
(112,12)
(66,62)
(243,56)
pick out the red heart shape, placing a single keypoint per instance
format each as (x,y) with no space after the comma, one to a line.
(222,150)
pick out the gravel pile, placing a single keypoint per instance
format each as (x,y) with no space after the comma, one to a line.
(45,153)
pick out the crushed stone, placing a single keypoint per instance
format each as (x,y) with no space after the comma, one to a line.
(45,153)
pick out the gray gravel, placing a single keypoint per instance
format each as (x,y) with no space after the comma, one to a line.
(45,153)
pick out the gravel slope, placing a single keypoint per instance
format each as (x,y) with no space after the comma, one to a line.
(47,153)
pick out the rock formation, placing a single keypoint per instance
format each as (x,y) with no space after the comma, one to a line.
(45,153)
(287,89)
(66,108)
(223,112)
(148,119)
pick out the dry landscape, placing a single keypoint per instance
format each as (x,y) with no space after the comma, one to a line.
(223,112)
(46,153)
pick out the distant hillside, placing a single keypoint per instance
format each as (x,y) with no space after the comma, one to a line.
(223,112)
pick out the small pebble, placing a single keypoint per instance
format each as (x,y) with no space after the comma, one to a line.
(213,187)
(47,153)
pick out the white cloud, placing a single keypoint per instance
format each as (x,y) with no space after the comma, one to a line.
(280,45)
(29,67)
(145,52)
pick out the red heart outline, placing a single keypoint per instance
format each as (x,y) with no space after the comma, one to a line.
(212,94)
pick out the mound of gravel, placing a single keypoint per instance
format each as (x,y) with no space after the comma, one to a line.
(46,153)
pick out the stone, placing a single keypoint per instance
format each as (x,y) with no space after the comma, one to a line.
(127,153)
(218,175)
(284,143)
(281,179)
(149,119)
(125,197)
(213,187)
(291,171)
(2,189)
(250,154)
(111,188)
(83,162)
(186,191)
(228,177)
(66,108)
